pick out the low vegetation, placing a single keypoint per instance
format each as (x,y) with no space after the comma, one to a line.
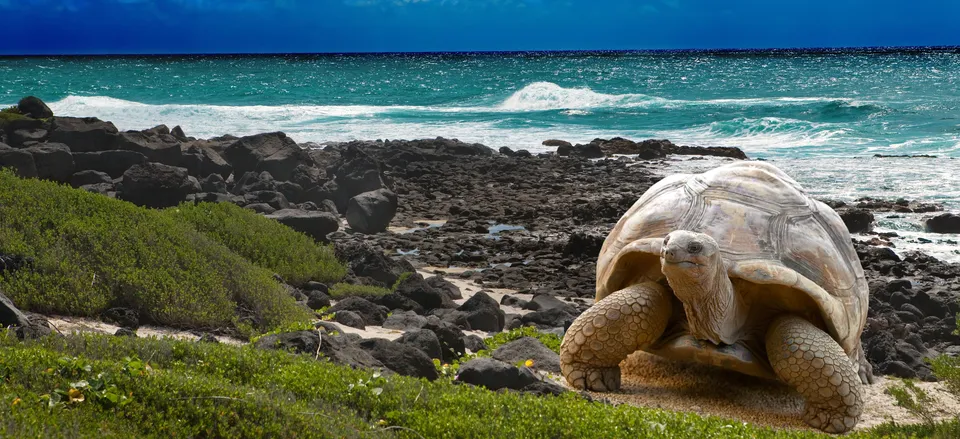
(166,388)
(10,113)
(91,253)
(296,257)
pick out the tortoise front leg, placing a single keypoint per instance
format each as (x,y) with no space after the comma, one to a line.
(810,361)
(609,331)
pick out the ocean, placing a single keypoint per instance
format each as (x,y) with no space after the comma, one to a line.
(820,115)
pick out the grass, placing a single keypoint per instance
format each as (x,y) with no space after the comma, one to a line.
(92,253)
(342,289)
(189,389)
(10,113)
(296,257)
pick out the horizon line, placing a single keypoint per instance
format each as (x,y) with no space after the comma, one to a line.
(801,50)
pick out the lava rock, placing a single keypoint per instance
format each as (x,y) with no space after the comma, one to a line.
(404,321)
(483,313)
(32,106)
(401,358)
(123,317)
(113,163)
(857,220)
(424,340)
(529,348)
(944,223)
(272,152)
(157,185)
(53,161)
(317,299)
(21,161)
(349,318)
(372,314)
(83,178)
(317,225)
(86,134)
(371,212)
(495,375)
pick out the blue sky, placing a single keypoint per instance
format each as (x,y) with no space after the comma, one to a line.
(270,26)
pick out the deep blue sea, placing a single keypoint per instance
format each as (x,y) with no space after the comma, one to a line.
(819,115)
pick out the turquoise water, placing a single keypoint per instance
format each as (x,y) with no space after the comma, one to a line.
(820,116)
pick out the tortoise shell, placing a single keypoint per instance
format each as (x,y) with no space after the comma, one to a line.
(770,233)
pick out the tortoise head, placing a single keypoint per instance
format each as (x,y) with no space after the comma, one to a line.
(692,251)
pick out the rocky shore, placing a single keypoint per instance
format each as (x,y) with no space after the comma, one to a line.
(501,220)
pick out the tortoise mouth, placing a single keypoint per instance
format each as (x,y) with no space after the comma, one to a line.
(681,263)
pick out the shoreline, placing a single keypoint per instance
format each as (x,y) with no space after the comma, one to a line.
(514,221)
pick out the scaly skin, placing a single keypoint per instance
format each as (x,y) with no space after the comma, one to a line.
(609,331)
(810,361)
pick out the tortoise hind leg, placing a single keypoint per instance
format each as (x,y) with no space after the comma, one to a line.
(810,361)
(609,331)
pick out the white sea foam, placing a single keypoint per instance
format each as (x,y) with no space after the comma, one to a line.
(550,96)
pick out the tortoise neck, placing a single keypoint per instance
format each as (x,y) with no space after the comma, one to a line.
(714,311)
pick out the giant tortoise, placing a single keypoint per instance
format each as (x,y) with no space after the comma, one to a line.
(739,268)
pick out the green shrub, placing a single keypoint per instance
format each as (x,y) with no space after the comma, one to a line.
(92,252)
(10,113)
(948,370)
(193,389)
(296,257)
(342,290)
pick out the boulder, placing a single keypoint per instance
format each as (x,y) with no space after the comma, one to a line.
(20,161)
(214,183)
(272,152)
(590,151)
(549,318)
(156,185)
(114,163)
(22,137)
(417,289)
(274,199)
(10,315)
(366,262)
(371,212)
(201,160)
(543,302)
(404,320)
(177,132)
(556,142)
(564,150)
(210,197)
(53,161)
(483,313)
(32,106)
(396,301)
(529,348)
(122,317)
(857,220)
(944,223)
(354,173)
(166,153)
(474,343)
(439,283)
(401,358)
(292,191)
(86,134)
(338,349)
(452,346)
(424,340)
(495,375)
(254,182)
(314,224)
(372,314)
(349,318)
(317,299)
(83,178)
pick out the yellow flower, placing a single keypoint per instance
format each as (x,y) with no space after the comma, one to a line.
(75,395)
(528,363)
(15,401)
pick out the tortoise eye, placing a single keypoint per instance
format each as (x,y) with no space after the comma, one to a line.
(694,247)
